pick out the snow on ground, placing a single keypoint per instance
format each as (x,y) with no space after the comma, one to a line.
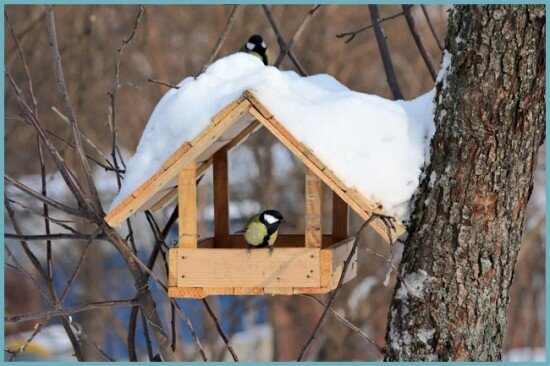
(525,355)
(373,144)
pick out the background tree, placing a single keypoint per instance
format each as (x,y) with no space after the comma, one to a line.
(469,214)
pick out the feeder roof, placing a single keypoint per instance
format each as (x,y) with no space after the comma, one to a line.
(367,149)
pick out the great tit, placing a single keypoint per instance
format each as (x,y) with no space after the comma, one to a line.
(257,47)
(262,229)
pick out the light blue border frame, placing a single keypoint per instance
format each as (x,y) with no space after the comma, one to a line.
(214,2)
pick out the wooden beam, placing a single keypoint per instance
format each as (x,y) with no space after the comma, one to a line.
(221,199)
(313,210)
(231,114)
(339,218)
(187,201)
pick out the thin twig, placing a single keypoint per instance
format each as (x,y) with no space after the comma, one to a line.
(351,35)
(53,236)
(84,138)
(163,83)
(45,199)
(432,28)
(64,95)
(385,53)
(66,311)
(347,262)
(220,330)
(349,324)
(418,40)
(67,143)
(281,40)
(221,39)
(297,35)
(64,170)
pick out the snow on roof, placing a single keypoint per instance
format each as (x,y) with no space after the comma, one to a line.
(374,144)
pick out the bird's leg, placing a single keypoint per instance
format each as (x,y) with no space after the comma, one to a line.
(270,250)
(250,246)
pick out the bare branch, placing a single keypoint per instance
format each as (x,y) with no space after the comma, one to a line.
(64,95)
(418,40)
(311,338)
(67,311)
(281,40)
(351,35)
(297,35)
(69,210)
(84,138)
(116,84)
(54,236)
(385,53)
(349,324)
(220,331)
(163,83)
(65,171)
(221,39)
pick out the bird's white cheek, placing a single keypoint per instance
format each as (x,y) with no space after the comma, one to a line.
(249,46)
(270,219)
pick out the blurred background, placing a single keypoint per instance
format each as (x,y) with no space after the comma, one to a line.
(173,42)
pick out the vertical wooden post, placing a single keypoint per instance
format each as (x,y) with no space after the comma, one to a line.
(314,233)
(339,219)
(187,201)
(221,199)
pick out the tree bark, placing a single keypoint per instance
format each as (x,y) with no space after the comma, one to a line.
(468,215)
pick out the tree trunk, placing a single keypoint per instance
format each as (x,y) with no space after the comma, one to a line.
(468,214)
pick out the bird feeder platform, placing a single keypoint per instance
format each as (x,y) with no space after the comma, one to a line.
(300,264)
(290,269)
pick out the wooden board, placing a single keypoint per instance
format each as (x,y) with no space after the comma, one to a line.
(285,267)
(221,199)
(179,161)
(313,194)
(187,207)
(329,263)
(340,224)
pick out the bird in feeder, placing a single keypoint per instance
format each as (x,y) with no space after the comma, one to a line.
(257,47)
(262,229)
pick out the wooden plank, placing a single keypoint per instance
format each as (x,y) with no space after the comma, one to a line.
(285,267)
(172,267)
(313,231)
(325,266)
(186,292)
(218,291)
(248,291)
(165,201)
(279,290)
(187,205)
(340,226)
(221,199)
(155,183)
(176,155)
(256,103)
(327,176)
(226,110)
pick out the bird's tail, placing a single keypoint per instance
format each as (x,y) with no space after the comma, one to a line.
(240,231)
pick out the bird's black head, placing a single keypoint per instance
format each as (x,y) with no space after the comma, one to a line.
(257,45)
(271,218)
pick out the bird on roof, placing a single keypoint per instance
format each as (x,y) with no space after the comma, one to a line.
(262,229)
(257,47)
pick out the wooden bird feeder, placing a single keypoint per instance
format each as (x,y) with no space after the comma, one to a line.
(300,264)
